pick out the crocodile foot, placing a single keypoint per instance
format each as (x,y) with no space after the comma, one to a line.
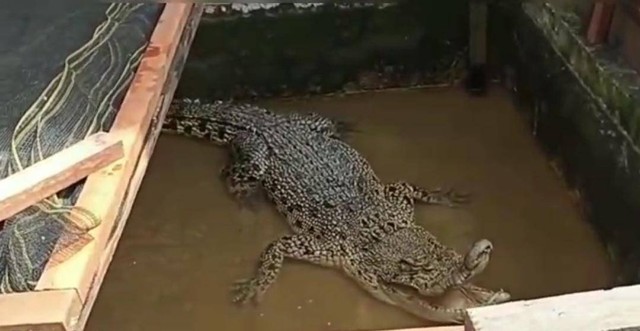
(245,291)
(344,129)
(246,201)
(450,198)
(245,194)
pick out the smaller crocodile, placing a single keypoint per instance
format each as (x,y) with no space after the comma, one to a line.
(340,213)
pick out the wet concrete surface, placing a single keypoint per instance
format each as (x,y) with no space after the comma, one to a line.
(187,241)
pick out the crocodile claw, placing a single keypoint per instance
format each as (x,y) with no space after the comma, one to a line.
(244,291)
(345,129)
(450,198)
(246,196)
(224,172)
(246,201)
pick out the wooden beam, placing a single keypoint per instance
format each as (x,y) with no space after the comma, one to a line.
(143,161)
(613,309)
(104,192)
(600,22)
(433,328)
(110,193)
(39,311)
(56,172)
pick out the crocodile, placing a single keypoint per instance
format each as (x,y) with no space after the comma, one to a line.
(340,213)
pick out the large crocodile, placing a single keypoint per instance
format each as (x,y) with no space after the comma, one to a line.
(341,214)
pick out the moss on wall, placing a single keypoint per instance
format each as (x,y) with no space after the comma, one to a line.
(585,109)
(285,49)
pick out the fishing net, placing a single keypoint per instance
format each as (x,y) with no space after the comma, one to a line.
(65,67)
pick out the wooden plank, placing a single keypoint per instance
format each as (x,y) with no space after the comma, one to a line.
(433,328)
(612,309)
(47,311)
(111,192)
(58,171)
(600,22)
(104,192)
(141,167)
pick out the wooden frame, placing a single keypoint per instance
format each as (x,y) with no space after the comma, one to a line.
(600,21)
(57,172)
(614,309)
(433,328)
(66,292)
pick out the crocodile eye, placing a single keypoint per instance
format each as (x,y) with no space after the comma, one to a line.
(415,262)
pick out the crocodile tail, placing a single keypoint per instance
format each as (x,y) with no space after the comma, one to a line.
(184,108)
(217,121)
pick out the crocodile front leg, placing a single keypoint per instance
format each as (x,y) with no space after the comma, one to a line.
(249,155)
(300,247)
(474,262)
(449,198)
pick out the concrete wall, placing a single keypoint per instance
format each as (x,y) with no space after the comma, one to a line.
(263,50)
(584,106)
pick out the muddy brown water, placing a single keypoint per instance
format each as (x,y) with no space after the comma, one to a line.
(186,241)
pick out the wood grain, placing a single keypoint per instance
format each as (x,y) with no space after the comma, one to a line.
(600,22)
(55,173)
(39,311)
(601,310)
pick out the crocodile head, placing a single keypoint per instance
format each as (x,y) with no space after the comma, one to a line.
(412,257)
(412,260)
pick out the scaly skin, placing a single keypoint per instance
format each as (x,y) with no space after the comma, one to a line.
(341,215)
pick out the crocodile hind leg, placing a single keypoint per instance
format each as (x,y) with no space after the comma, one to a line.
(249,155)
(299,247)
(449,198)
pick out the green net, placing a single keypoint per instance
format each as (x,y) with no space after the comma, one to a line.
(65,69)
